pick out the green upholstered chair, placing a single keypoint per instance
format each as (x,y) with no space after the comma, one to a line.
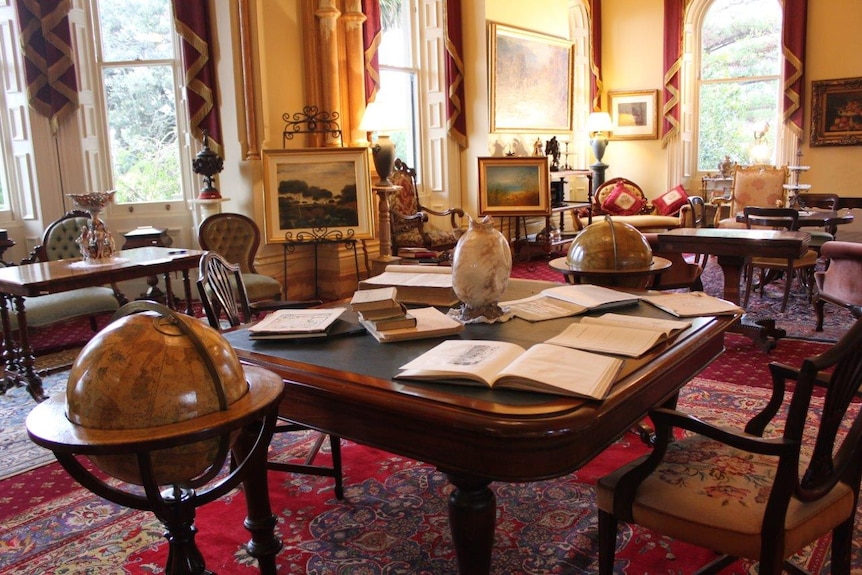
(58,243)
(761,493)
(237,237)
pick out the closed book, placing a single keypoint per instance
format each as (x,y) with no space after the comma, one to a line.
(426,285)
(430,322)
(375,299)
(417,253)
(388,324)
(387,313)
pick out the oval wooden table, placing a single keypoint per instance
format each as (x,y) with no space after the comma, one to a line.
(612,278)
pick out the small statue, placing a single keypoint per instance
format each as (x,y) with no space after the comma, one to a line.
(518,148)
(552,148)
(499,149)
(537,148)
(726,167)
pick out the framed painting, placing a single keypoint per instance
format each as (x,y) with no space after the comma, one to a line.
(836,112)
(314,188)
(514,186)
(529,81)
(634,114)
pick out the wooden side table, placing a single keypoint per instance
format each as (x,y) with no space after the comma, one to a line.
(143,237)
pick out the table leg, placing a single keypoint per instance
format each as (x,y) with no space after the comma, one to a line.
(761,331)
(187,289)
(472,513)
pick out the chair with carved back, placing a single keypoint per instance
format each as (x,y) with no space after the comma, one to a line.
(758,185)
(226,305)
(237,237)
(823,201)
(409,218)
(841,283)
(801,267)
(58,243)
(694,215)
(762,493)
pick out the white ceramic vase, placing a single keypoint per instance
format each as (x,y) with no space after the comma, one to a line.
(481,266)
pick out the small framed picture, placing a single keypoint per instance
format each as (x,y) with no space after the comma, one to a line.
(836,112)
(314,188)
(634,114)
(514,186)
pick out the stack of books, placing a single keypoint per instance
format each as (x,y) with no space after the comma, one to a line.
(379,309)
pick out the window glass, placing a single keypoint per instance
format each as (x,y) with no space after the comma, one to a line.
(138,71)
(740,71)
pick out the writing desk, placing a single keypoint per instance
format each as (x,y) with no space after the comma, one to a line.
(344,386)
(31,280)
(733,247)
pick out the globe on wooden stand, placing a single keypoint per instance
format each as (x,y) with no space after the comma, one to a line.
(611,254)
(95,241)
(158,400)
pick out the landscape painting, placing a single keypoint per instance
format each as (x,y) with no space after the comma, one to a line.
(514,186)
(317,189)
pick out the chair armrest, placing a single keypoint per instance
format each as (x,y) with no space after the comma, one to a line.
(718,203)
(418,217)
(451,212)
(729,436)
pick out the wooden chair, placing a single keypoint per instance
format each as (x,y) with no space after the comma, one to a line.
(743,494)
(694,215)
(758,185)
(820,202)
(841,283)
(223,295)
(801,267)
(409,218)
(58,243)
(236,237)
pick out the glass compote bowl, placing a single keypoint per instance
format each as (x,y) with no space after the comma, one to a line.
(95,241)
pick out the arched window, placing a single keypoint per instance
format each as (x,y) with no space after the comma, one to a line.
(739,82)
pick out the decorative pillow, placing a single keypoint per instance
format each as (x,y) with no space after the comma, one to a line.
(671,201)
(622,202)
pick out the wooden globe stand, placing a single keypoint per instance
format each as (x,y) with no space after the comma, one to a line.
(252,418)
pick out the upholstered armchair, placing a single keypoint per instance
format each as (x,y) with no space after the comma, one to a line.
(625,201)
(841,283)
(58,243)
(758,185)
(409,218)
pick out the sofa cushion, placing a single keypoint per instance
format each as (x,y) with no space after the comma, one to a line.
(671,201)
(622,202)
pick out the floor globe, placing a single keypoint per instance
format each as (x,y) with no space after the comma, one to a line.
(149,369)
(605,249)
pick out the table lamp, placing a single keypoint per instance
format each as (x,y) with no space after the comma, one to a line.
(380,118)
(598,124)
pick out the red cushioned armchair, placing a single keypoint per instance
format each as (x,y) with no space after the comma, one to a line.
(841,283)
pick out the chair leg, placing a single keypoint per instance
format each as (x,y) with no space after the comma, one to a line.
(842,543)
(788,281)
(607,542)
(749,272)
(819,304)
(335,448)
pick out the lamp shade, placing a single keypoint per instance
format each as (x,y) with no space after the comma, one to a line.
(381,118)
(599,122)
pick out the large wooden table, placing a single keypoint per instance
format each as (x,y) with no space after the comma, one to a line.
(344,386)
(733,247)
(31,280)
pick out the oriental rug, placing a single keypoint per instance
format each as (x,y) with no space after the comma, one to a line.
(393,519)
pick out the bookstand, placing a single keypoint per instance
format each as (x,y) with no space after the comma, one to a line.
(317,237)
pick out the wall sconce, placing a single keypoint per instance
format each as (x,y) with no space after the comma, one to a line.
(380,118)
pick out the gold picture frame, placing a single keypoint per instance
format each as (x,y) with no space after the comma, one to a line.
(836,112)
(317,188)
(529,81)
(634,114)
(514,186)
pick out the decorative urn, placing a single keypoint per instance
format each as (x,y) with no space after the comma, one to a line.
(481,265)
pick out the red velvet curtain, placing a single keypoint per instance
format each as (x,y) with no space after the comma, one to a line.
(371,36)
(52,88)
(674,13)
(596,86)
(795,18)
(455,73)
(192,20)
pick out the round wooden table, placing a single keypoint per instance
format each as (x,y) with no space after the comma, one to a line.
(612,278)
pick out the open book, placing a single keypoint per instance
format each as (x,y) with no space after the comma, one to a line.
(295,323)
(541,368)
(592,297)
(692,304)
(428,285)
(627,335)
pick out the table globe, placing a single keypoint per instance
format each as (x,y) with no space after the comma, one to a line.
(606,247)
(152,369)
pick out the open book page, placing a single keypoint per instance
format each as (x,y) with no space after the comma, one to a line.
(692,304)
(541,368)
(541,307)
(296,321)
(410,278)
(607,338)
(591,296)
(479,360)
(572,372)
(665,326)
